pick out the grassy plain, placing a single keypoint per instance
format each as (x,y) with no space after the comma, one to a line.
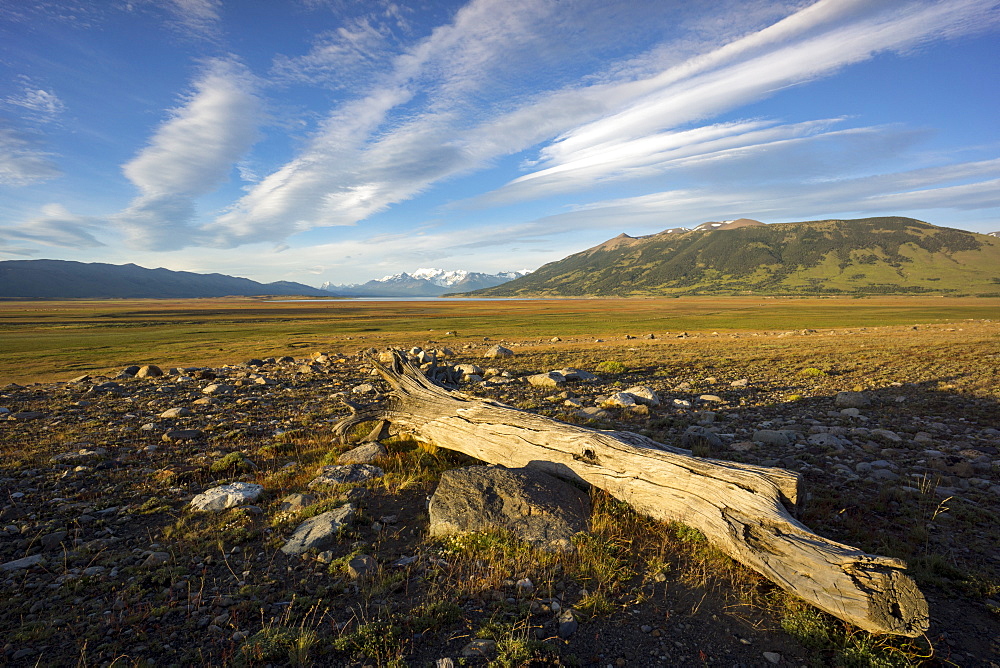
(49,340)
(645,593)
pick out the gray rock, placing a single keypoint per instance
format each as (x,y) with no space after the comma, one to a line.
(594,413)
(742,382)
(851,400)
(480,647)
(619,400)
(218,388)
(176,412)
(571,374)
(345,474)
(361,566)
(53,540)
(295,502)
(780,438)
(826,441)
(886,436)
(772,657)
(540,509)
(710,398)
(22,563)
(363,454)
(156,559)
(319,532)
(499,351)
(884,475)
(149,371)
(176,435)
(364,388)
(550,379)
(469,369)
(644,395)
(700,437)
(227,496)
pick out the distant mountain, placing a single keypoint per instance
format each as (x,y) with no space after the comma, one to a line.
(62,279)
(889,255)
(423,283)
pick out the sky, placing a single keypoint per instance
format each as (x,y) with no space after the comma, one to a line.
(343,140)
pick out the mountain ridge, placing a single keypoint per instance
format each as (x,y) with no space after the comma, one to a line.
(67,279)
(423,282)
(881,255)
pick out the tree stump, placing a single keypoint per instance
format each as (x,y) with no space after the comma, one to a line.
(742,509)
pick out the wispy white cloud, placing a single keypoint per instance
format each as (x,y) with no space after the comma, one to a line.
(36,104)
(959,186)
(195,18)
(191,154)
(22,162)
(439,109)
(811,43)
(56,226)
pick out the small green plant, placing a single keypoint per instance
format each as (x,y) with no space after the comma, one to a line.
(435,616)
(686,534)
(611,366)
(234,461)
(380,641)
(280,644)
(812,372)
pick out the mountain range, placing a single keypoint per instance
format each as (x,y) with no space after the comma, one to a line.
(884,255)
(423,283)
(63,279)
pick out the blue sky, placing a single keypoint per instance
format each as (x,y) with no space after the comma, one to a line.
(342,140)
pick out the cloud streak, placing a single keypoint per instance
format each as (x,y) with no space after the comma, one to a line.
(191,154)
(429,118)
(22,163)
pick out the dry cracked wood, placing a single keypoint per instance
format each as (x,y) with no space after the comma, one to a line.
(739,507)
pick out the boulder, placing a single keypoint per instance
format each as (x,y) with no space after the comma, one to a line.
(319,532)
(619,400)
(851,400)
(644,395)
(540,509)
(499,351)
(227,496)
(550,379)
(149,371)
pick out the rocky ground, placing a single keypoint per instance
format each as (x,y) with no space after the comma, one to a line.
(104,560)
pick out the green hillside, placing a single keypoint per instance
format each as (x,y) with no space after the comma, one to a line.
(889,255)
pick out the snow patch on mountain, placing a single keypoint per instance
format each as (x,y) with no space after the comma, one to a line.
(424,282)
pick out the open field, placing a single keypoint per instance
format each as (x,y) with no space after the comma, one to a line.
(96,477)
(47,341)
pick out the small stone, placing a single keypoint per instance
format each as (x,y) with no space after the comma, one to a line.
(710,398)
(550,379)
(227,496)
(361,566)
(295,502)
(524,586)
(149,371)
(700,437)
(363,454)
(218,388)
(349,473)
(619,400)
(499,351)
(481,647)
(319,532)
(851,400)
(177,435)
(176,412)
(772,657)
(156,559)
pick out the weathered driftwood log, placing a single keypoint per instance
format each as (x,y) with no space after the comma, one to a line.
(739,507)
